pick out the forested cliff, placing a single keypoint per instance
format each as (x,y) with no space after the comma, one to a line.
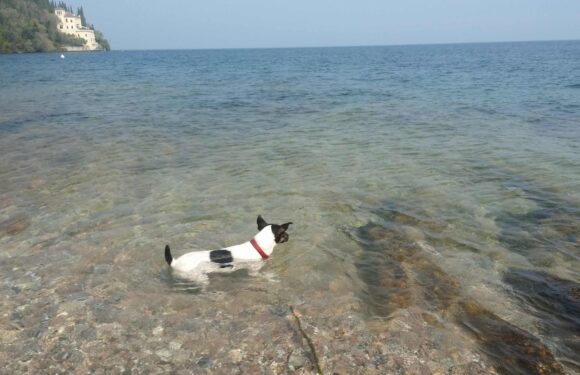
(30,26)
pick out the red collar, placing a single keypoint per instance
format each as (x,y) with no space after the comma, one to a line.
(259,249)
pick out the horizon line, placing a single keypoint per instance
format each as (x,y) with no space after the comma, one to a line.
(346,46)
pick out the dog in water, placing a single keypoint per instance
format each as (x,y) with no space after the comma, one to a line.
(196,264)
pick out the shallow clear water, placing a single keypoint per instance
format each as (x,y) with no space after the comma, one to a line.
(432,188)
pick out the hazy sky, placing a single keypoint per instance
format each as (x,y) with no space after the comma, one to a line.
(178,24)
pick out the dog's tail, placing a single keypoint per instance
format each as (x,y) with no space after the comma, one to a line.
(168,257)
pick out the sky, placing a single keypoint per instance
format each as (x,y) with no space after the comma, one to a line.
(202,24)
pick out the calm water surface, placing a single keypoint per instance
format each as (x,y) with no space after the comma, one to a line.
(434,190)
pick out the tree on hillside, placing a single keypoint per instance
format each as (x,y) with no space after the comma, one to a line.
(25,26)
(81,13)
(102,41)
(63,5)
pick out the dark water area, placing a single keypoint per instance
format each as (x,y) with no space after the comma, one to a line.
(434,190)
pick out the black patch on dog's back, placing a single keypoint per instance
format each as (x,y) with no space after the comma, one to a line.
(221,257)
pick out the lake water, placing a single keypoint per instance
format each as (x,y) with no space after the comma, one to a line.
(434,190)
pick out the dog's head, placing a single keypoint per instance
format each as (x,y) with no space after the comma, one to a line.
(279,230)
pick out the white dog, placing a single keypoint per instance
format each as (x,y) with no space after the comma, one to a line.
(197,263)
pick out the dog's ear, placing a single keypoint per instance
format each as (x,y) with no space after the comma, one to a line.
(261,222)
(279,229)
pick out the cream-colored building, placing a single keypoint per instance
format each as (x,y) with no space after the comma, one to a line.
(71,24)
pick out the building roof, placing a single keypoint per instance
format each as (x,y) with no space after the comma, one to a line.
(67,13)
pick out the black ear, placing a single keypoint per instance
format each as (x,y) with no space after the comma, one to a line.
(261,222)
(278,229)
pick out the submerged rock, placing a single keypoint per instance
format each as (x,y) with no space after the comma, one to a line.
(382,270)
(202,361)
(236,355)
(399,276)
(515,351)
(164,354)
(297,359)
(556,302)
(14,225)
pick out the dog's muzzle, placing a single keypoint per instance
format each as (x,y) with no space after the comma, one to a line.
(282,237)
